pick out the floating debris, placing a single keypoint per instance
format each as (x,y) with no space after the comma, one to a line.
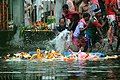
(44,56)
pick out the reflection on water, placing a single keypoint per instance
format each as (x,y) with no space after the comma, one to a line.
(80,70)
(36,70)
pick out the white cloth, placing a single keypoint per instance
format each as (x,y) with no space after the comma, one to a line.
(70,5)
(118,3)
(40,11)
(77,30)
(27,16)
(111,18)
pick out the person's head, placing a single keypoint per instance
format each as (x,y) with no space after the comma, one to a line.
(62,22)
(98,13)
(86,16)
(85,1)
(103,0)
(65,8)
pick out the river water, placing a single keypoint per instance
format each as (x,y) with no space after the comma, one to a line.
(58,70)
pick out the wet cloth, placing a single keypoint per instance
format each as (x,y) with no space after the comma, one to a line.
(92,39)
(111,18)
(76,42)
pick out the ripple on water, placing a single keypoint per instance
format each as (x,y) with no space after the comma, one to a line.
(31,70)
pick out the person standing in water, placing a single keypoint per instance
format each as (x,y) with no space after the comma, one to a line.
(93,32)
(79,33)
(117,12)
(111,19)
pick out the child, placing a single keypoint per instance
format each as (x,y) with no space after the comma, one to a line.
(78,35)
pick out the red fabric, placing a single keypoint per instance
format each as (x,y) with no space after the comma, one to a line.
(70,13)
(109,8)
(83,20)
(76,43)
(96,24)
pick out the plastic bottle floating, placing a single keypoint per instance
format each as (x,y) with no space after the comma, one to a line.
(52,55)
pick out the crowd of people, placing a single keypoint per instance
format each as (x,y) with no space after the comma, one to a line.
(94,20)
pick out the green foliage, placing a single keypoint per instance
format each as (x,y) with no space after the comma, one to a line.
(51,20)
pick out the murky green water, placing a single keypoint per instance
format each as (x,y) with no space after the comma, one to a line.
(55,70)
(80,70)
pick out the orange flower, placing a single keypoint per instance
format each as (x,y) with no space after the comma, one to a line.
(35,24)
(43,24)
(38,24)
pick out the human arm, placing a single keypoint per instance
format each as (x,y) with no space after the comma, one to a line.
(87,25)
(106,6)
(98,27)
(99,31)
(103,23)
(114,8)
(83,29)
(81,26)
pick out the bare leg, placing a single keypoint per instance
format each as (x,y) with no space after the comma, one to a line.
(110,37)
(118,43)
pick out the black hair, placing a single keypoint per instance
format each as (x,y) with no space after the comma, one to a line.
(86,15)
(65,6)
(60,19)
(96,10)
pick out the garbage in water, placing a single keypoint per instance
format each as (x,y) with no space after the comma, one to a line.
(43,55)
